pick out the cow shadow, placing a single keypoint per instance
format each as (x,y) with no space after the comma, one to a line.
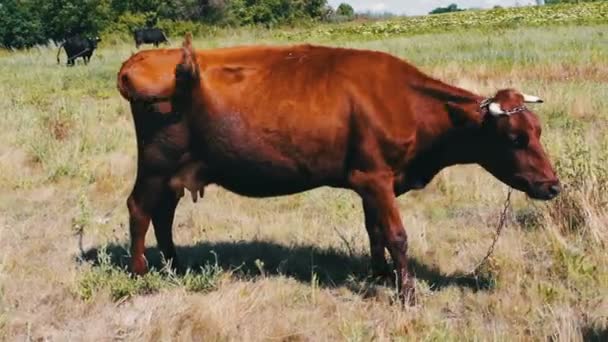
(595,334)
(250,259)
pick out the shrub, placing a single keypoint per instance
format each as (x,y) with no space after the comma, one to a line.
(180,28)
(123,27)
(345,10)
(20,25)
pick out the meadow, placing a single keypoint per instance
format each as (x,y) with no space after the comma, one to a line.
(296,267)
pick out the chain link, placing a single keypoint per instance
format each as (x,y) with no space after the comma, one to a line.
(486,102)
(501,224)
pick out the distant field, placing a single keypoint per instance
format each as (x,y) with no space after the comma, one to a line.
(487,20)
(295,268)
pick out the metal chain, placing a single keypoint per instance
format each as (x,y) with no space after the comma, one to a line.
(501,224)
(79,54)
(486,102)
(516,110)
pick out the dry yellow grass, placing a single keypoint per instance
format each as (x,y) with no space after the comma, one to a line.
(294,268)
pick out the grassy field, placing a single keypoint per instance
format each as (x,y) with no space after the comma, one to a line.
(295,268)
(486,20)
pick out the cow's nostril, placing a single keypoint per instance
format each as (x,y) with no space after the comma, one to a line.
(555,189)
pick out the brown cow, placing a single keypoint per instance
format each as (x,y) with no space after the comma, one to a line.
(268,121)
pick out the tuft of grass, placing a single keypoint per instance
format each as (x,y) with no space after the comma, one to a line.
(120,284)
(584,173)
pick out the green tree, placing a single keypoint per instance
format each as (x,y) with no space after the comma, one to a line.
(28,22)
(449,8)
(64,18)
(315,8)
(345,10)
(272,12)
(20,24)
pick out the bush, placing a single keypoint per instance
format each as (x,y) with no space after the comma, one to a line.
(20,26)
(345,10)
(180,28)
(122,29)
(65,18)
(264,12)
(448,9)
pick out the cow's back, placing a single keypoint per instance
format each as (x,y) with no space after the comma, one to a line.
(307,77)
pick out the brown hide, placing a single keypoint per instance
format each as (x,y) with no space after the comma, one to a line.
(268,121)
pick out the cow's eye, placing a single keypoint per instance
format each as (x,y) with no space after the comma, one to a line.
(518,140)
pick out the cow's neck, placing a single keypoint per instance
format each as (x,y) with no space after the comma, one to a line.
(458,145)
(447,144)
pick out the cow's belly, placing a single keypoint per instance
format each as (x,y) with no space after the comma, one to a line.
(259,161)
(265,184)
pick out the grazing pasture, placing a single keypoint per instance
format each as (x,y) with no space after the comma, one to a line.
(295,267)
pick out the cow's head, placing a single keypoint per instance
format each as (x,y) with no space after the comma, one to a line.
(508,144)
(93,41)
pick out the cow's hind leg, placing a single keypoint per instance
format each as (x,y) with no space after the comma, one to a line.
(144,198)
(376,190)
(162,220)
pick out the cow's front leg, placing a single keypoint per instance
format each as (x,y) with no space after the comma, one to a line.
(377,243)
(376,190)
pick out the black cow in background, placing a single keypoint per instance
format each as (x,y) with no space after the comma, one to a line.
(149,35)
(76,47)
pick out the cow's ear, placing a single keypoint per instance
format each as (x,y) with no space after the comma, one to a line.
(464,114)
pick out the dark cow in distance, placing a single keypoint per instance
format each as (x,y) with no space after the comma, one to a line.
(149,35)
(269,121)
(76,47)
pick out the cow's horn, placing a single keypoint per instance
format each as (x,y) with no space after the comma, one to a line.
(532,99)
(495,109)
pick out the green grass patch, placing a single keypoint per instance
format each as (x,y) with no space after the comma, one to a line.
(119,283)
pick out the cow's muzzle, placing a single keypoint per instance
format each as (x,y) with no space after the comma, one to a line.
(545,190)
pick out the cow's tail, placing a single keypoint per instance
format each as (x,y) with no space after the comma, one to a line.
(59,52)
(187,76)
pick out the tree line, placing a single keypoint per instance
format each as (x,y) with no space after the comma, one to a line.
(24,23)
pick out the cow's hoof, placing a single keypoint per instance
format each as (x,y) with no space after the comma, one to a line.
(139,265)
